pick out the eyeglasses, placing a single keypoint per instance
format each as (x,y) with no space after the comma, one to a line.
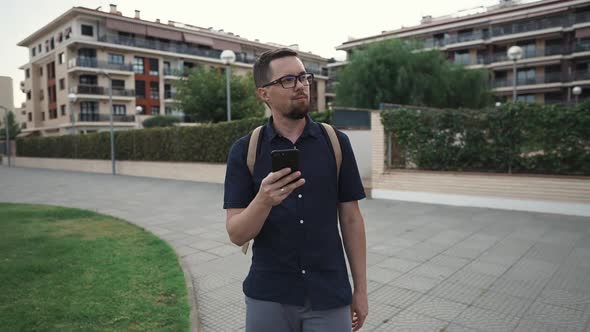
(290,81)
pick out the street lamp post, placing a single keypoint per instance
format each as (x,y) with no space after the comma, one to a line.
(111,120)
(514,54)
(576,91)
(72,98)
(7,138)
(228,57)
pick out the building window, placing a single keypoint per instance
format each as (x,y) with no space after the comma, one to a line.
(60,37)
(39,49)
(116,59)
(63,110)
(154,67)
(43,116)
(40,71)
(89,111)
(33,51)
(155,110)
(62,83)
(168,110)
(155,90)
(30,116)
(29,95)
(140,89)
(61,58)
(87,30)
(138,65)
(118,84)
(119,110)
(27,73)
(52,43)
(167,68)
(526,76)
(88,80)
(462,58)
(68,32)
(526,98)
(41,95)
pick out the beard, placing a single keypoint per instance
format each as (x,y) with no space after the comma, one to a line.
(298,112)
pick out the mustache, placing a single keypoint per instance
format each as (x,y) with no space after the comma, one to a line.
(300,95)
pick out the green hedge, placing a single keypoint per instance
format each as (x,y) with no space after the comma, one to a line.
(160,121)
(522,138)
(204,143)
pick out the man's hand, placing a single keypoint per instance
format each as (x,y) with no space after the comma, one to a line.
(275,187)
(359,309)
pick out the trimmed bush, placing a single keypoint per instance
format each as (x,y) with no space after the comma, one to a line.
(160,121)
(206,143)
(522,138)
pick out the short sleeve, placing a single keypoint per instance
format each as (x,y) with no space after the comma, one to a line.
(350,186)
(239,185)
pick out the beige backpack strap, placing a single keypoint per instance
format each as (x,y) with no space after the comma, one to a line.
(250,161)
(252,148)
(335,146)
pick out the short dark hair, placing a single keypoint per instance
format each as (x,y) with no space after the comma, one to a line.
(262,74)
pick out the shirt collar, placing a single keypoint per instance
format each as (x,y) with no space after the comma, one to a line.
(311,129)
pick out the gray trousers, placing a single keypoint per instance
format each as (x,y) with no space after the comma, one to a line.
(264,316)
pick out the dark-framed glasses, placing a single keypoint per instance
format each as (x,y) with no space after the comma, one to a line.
(289,81)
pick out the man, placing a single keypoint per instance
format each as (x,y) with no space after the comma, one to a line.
(298,279)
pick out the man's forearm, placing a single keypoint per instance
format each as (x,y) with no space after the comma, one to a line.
(245,225)
(355,244)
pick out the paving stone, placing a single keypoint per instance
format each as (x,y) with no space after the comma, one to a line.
(395,296)
(503,303)
(437,308)
(457,292)
(434,271)
(449,261)
(474,279)
(556,315)
(517,288)
(415,282)
(398,264)
(381,274)
(409,321)
(487,320)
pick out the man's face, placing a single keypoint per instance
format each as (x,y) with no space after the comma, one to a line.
(292,103)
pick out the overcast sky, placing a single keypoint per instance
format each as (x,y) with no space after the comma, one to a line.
(316,25)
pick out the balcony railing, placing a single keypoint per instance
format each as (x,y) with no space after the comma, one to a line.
(94,63)
(171,47)
(547,78)
(101,91)
(100,117)
(175,72)
(581,75)
(169,94)
(508,29)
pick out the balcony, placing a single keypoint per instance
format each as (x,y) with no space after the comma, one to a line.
(509,29)
(169,94)
(171,47)
(101,91)
(581,75)
(546,79)
(99,117)
(175,72)
(94,63)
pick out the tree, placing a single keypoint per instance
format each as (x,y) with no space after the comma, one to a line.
(203,96)
(398,72)
(13,127)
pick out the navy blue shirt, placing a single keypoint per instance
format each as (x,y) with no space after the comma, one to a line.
(298,252)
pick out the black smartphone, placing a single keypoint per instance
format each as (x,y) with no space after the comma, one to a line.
(285,158)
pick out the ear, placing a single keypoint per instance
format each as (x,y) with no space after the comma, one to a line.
(263,94)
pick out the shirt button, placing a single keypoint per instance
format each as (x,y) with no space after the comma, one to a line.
(302,271)
(301,221)
(300,196)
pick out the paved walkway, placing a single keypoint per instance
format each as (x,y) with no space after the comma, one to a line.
(430,267)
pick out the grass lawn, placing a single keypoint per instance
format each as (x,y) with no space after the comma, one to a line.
(66,269)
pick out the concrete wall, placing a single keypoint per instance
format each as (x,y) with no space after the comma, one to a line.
(201,172)
(361,145)
(549,194)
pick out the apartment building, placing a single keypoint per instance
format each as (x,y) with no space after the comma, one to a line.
(73,60)
(554,36)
